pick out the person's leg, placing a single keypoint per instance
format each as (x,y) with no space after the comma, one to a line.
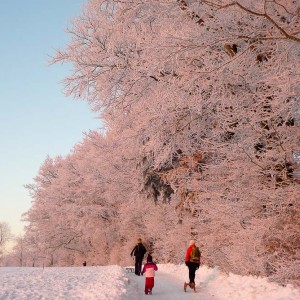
(192,272)
(146,285)
(150,284)
(190,275)
(139,260)
(136,267)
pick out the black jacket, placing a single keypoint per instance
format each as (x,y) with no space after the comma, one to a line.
(138,251)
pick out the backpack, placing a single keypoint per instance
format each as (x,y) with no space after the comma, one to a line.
(195,255)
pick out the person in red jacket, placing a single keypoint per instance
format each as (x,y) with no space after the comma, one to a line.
(149,270)
(192,261)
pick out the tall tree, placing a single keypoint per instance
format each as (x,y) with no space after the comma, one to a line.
(5,236)
(200,101)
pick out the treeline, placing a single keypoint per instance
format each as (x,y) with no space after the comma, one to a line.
(200,102)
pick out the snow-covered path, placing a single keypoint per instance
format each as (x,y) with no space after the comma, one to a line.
(166,287)
(211,284)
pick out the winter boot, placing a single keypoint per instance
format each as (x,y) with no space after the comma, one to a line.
(192,286)
(185,286)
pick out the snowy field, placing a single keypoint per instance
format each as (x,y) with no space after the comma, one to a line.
(113,282)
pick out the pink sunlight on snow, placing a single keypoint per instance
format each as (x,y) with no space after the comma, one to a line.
(114,283)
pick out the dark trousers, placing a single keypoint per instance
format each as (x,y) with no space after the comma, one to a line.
(192,271)
(138,265)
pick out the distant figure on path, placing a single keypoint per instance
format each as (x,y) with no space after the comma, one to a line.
(138,251)
(84,264)
(149,270)
(192,261)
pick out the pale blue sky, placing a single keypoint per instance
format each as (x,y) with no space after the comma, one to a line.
(36,119)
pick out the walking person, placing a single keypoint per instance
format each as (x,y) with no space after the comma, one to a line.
(149,270)
(192,261)
(138,251)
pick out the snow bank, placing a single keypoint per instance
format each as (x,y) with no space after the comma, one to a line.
(234,287)
(107,282)
(113,283)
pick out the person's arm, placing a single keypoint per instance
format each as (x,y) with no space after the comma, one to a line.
(133,250)
(144,269)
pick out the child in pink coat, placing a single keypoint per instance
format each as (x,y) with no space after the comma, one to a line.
(149,270)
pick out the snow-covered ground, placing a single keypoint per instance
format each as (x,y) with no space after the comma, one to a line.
(114,283)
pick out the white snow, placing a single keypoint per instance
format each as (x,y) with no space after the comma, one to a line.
(114,283)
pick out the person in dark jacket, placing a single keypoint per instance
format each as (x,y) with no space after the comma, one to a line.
(138,251)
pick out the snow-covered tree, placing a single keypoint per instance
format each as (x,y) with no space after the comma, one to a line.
(5,236)
(200,101)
